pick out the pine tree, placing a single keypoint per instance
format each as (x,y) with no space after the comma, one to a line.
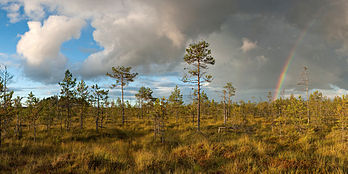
(18,112)
(5,98)
(199,56)
(82,94)
(144,94)
(68,93)
(33,111)
(98,96)
(159,115)
(48,112)
(231,91)
(123,76)
(176,100)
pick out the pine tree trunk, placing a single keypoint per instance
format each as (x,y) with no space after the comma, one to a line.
(102,117)
(0,129)
(81,117)
(97,119)
(229,108)
(193,117)
(154,127)
(225,110)
(142,109)
(20,130)
(17,125)
(96,124)
(177,114)
(123,120)
(68,119)
(34,131)
(199,97)
(61,121)
(308,114)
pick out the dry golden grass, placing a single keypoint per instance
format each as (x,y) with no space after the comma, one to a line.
(252,148)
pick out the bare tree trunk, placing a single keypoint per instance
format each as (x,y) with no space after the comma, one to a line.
(199,98)
(155,127)
(193,117)
(68,119)
(177,114)
(0,129)
(162,128)
(34,131)
(17,126)
(60,116)
(343,123)
(102,117)
(225,110)
(97,119)
(141,109)
(81,117)
(123,119)
(20,130)
(61,122)
(96,123)
(229,108)
(308,114)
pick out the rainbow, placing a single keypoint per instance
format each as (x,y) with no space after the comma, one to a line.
(287,64)
(292,53)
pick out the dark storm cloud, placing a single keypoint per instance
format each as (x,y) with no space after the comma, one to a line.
(274,25)
(274,47)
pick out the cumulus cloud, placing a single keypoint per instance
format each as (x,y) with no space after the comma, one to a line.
(150,34)
(40,46)
(248,45)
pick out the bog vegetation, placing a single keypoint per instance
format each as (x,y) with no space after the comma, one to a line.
(84,131)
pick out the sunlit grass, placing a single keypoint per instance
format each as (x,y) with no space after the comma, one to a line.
(252,148)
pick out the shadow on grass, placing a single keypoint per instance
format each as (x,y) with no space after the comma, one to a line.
(27,149)
(91,135)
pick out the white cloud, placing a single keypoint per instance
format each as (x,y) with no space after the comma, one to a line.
(13,12)
(42,42)
(40,46)
(135,37)
(34,9)
(248,45)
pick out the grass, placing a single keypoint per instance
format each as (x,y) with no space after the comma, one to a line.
(253,147)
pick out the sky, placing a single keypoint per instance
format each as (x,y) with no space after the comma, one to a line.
(251,41)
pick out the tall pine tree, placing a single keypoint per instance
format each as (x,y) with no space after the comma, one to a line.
(199,57)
